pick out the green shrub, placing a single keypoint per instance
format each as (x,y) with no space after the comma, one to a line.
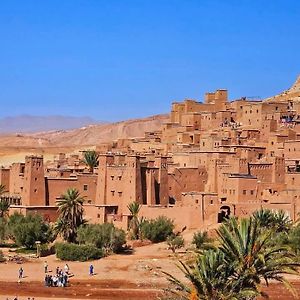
(3,229)
(201,240)
(46,249)
(73,252)
(292,239)
(103,236)
(157,230)
(175,242)
(2,258)
(26,230)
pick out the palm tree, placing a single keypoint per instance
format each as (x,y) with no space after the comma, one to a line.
(245,258)
(253,259)
(264,216)
(134,225)
(279,221)
(90,158)
(70,209)
(4,204)
(208,278)
(282,222)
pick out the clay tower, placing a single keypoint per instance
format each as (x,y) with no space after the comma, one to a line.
(34,182)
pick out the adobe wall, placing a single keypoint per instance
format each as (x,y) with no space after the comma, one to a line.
(185,180)
(84,183)
(4,178)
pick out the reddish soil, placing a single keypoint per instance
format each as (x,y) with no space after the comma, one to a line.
(81,289)
(277,291)
(135,276)
(110,290)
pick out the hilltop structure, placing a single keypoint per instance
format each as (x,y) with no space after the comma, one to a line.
(211,159)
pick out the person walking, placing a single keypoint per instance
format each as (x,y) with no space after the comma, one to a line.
(67,268)
(21,271)
(91,270)
(46,267)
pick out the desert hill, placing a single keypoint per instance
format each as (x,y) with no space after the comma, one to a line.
(85,136)
(293,93)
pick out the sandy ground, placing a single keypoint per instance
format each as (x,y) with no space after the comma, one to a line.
(132,276)
(136,275)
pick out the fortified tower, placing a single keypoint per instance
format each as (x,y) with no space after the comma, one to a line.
(34,182)
(133,190)
(101,191)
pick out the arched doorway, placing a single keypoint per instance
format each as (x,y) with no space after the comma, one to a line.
(224,213)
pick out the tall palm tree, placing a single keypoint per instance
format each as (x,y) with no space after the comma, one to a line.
(90,158)
(248,249)
(70,209)
(245,258)
(134,208)
(4,204)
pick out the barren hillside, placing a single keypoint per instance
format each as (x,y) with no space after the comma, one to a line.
(85,136)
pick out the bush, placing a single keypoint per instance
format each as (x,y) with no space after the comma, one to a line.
(46,249)
(3,229)
(175,242)
(292,239)
(201,240)
(157,230)
(2,258)
(26,230)
(73,252)
(103,236)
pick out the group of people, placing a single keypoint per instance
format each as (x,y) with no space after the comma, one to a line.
(16,298)
(59,279)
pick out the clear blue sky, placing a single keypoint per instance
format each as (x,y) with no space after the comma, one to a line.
(114,60)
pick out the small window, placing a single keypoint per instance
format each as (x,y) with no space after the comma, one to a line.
(85,187)
(112,193)
(35,179)
(98,216)
(244,192)
(119,177)
(120,194)
(252,192)
(35,190)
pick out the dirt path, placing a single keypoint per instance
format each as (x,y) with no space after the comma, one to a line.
(135,276)
(81,290)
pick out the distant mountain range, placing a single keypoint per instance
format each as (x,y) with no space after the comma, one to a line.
(30,124)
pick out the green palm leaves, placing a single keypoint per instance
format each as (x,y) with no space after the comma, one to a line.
(4,204)
(277,220)
(134,225)
(70,209)
(236,269)
(90,158)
